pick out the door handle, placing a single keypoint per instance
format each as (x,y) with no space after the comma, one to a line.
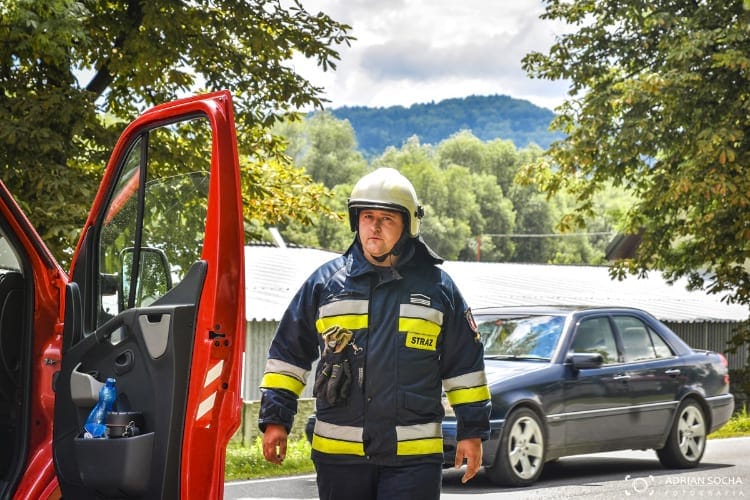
(672,372)
(622,376)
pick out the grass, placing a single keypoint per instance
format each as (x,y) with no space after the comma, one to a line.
(738,425)
(248,462)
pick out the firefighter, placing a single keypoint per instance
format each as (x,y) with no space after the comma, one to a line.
(393,333)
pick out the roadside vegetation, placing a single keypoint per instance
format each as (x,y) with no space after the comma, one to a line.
(738,426)
(248,463)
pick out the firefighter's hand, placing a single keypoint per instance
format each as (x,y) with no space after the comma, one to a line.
(274,443)
(471,450)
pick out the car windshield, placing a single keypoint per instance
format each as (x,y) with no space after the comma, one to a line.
(520,336)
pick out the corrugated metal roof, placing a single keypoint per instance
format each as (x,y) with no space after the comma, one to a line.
(274,274)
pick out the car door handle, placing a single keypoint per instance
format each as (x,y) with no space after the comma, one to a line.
(622,376)
(673,372)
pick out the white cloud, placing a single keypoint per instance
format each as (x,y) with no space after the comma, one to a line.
(410,51)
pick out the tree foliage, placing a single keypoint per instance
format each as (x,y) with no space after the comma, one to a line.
(659,104)
(55,132)
(474,209)
(325,147)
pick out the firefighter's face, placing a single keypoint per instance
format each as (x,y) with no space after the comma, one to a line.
(379,231)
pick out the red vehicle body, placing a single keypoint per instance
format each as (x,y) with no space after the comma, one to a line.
(154,299)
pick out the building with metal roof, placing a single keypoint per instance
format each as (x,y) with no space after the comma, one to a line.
(274,274)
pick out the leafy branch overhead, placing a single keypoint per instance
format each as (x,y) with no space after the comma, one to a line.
(659,100)
(74,72)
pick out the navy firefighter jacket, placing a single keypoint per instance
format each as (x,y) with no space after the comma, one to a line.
(413,337)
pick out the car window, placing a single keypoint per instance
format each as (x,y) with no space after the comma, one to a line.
(528,336)
(595,335)
(138,264)
(662,348)
(639,342)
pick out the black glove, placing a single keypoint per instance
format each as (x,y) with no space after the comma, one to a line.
(335,378)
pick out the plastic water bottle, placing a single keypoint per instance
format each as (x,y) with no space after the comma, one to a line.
(95,426)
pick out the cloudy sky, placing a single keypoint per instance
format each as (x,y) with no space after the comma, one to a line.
(415,51)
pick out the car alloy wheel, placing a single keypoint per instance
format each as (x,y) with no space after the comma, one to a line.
(521,453)
(687,439)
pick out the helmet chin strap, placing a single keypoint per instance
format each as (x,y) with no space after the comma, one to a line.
(395,250)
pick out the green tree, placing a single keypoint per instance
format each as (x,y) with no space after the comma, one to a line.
(463,148)
(326,148)
(55,132)
(533,217)
(658,104)
(327,231)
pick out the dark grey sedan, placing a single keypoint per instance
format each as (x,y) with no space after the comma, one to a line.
(573,380)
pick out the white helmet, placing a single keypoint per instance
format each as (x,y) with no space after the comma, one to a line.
(386,189)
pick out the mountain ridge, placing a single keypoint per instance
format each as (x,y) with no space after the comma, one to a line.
(488,117)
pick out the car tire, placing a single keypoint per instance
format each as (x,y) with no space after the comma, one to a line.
(687,439)
(520,456)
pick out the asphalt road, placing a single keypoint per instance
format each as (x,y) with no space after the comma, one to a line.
(723,473)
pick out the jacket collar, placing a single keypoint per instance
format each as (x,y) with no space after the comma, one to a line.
(416,252)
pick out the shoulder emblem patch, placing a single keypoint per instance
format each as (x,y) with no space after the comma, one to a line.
(472,324)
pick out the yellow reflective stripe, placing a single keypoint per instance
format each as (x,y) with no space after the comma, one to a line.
(351,322)
(420,446)
(472,379)
(468,395)
(424,312)
(282,381)
(337,446)
(418,325)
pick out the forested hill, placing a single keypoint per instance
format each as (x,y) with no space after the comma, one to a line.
(487,117)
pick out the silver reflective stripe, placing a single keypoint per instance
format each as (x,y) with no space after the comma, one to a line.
(473,379)
(278,366)
(343,307)
(419,431)
(340,432)
(422,312)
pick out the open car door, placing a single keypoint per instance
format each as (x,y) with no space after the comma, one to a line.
(156,301)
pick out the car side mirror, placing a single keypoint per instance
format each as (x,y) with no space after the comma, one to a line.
(585,360)
(153,281)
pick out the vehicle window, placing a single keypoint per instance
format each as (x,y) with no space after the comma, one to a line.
(520,336)
(662,349)
(595,335)
(164,184)
(8,258)
(638,341)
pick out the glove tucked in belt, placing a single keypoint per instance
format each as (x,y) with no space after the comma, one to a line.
(335,378)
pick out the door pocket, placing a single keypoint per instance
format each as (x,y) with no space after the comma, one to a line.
(128,468)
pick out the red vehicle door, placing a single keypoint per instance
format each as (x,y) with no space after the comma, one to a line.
(155,300)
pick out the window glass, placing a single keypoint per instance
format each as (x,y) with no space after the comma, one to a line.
(154,225)
(662,349)
(117,234)
(523,336)
(595,335)
(636,340)
(9,261)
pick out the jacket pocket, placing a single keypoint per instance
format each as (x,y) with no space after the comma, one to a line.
(420,408)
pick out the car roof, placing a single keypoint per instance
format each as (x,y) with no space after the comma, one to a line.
(553,310)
